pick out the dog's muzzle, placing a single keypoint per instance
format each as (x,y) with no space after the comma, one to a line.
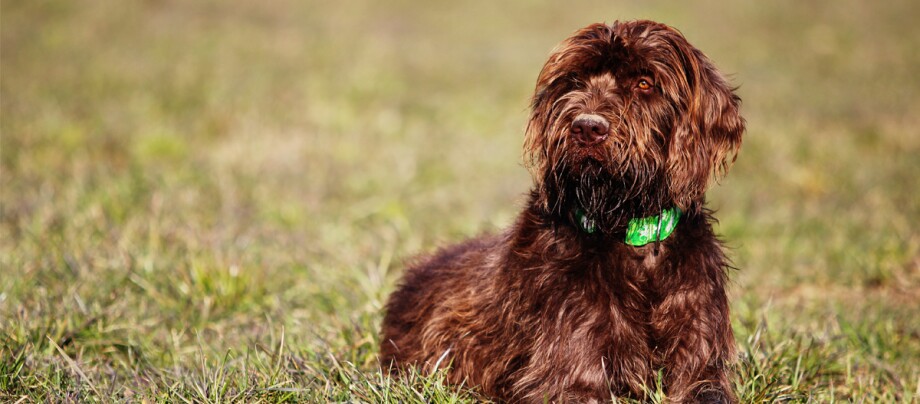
(590,129)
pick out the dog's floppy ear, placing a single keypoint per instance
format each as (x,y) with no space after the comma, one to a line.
(575,55)
(705,141)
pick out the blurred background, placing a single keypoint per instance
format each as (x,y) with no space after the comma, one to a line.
(211,200)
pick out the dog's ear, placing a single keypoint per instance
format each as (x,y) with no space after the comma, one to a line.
(705,142)
(570,60)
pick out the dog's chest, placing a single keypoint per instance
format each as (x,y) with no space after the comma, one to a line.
(642,264)
(649,257)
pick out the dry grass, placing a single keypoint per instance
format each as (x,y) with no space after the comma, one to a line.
(210,201)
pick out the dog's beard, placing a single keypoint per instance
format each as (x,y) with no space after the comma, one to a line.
(607,199)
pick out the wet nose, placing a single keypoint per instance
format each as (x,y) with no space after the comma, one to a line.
(590,129)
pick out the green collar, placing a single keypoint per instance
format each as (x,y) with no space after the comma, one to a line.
(640,231)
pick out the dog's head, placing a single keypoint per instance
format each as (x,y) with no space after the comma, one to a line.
(629,119)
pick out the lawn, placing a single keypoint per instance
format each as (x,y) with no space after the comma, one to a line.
(210,201)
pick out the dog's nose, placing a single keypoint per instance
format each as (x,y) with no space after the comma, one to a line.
(590,129)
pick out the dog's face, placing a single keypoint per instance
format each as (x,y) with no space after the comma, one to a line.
(629,119)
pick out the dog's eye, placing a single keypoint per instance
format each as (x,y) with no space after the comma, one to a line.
(644,85)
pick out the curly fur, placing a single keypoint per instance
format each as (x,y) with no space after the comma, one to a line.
(547,311)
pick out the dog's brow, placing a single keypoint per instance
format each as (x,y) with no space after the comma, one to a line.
(603,80)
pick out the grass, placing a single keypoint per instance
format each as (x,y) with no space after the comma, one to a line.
(209,201)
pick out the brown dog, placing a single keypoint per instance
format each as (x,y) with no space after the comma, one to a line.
(612,273)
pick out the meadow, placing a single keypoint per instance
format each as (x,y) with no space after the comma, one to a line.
(209,201)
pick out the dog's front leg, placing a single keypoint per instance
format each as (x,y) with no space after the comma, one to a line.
(695,344)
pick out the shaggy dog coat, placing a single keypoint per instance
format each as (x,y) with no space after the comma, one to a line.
(627,120)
